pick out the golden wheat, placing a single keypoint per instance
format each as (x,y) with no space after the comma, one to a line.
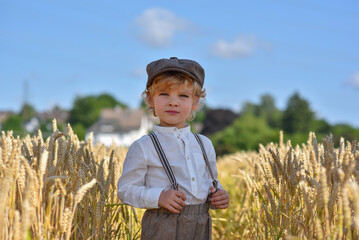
(49,190)
(306,192)
(63,188)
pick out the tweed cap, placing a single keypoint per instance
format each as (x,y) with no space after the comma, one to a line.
(186,66)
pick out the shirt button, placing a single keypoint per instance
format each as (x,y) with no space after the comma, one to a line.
(193,179)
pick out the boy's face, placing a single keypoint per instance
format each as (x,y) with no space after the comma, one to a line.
(173,105)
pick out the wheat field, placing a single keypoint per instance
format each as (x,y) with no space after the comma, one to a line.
(63,188)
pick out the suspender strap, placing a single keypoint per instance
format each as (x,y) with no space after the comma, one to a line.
(167,167)
(164,161)
(199,140)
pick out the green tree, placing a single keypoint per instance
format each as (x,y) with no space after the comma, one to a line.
(250,108)
(79,130)
(86,110)
(143,104)
(269,111)
(201,113)
(346,131)
(298,116)
(265,109)
(27,112)
(320,126)
(14,123)
(106,100)
(245,133)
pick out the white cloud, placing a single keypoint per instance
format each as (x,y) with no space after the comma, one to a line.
(354,80)
(242,46)
(138,72)
(157,27)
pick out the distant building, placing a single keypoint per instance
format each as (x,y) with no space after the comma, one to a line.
(121,126)
(4,116)
(32,125)
(61,116)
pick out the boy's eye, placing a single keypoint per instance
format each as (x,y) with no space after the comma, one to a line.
(163,94)
(184,95)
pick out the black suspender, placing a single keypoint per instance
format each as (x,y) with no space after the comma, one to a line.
(199,140)
(167,167)
(164,161)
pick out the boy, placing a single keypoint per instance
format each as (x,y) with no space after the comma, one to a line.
(172,171)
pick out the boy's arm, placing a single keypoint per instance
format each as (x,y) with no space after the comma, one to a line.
(220,199)
(131,187)
(213,162)
(173,200)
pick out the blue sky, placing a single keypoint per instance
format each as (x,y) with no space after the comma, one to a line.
(63,49)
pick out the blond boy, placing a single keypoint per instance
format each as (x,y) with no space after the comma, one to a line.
(173,184)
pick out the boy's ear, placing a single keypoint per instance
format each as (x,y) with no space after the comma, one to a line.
(150,101)
(195,103)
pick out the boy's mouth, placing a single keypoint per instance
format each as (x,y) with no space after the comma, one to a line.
(172,112)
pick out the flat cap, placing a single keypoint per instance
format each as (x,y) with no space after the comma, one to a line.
(186,66)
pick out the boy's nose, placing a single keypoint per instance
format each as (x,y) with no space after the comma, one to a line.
(173,101)
(175,104)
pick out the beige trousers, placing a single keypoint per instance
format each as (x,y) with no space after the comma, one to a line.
(193,222)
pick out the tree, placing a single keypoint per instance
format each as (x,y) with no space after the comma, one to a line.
(216,120)
(298,116)
(106,100)
(79,130)
(143,104)
(14,123)
(27,112)
(250,108)
(269,111)
(320,126)
(86,110)
(346,131)
(265,109)
(245,133)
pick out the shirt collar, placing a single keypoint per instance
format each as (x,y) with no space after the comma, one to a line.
(160,129)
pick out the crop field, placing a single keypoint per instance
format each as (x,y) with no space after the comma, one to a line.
(63,188)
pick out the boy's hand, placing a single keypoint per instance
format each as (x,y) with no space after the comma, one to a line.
(220,199)
(172,200)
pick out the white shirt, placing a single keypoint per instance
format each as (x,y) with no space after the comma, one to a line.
(143,177)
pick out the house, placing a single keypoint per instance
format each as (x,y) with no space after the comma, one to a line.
(35,122)
(32,124)
(4,116)
(121,126)
(61,116)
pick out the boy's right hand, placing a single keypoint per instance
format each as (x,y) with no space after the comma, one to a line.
(172,200)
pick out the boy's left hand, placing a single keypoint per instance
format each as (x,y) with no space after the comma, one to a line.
(220,199)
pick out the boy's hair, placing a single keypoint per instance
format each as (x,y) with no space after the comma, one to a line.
(172,79)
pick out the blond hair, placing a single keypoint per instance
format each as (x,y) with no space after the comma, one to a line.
(169,80)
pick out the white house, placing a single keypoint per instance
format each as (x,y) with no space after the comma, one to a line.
(32,124)
(121,126)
